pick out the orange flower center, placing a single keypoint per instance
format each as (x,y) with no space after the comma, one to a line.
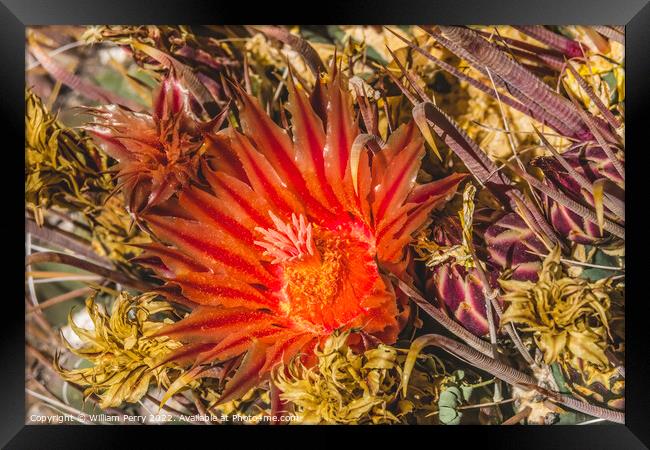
(327,273)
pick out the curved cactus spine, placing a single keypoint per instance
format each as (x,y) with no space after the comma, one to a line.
(533,110)
(594,98)
(536,111)
(567,46)
(513,376)
(610,32)
(485,54)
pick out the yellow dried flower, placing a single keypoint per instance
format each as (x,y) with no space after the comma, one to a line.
(434,254)
(565,314)
(589,381)
(61,165)
(604,73)
(122,34)
(125,361)
(343,387)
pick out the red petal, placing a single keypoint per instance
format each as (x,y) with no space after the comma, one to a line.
(397,183)
(438,188)
(381,321)
(341,133)
(245,206)
(237,343)
(170,99)
(225,158)
(110,145)
(397,141)
(247,375)
(387,242)
(264,179)
(271,140)
(216,289)
(211,247)
(187,353)
(284,349)
(309,138)
(174,262)
(212,324)
(273,143)
(211,210)
(395,236)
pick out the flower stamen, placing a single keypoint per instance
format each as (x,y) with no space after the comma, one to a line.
(288,241)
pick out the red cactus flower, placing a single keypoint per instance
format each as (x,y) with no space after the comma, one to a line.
(285,242)
(158,154)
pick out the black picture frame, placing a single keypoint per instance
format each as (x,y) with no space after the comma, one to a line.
(15,15)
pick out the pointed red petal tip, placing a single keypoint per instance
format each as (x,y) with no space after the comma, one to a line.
(166,261)
(309,134)
(221,290)
(186,354)
(212,248)
(247,375)
(283,349)
(399,180)
(212,324)
(439,188)
(396,230)
(112,146)
(171,99)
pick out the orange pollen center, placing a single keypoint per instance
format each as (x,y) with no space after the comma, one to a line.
(326,273)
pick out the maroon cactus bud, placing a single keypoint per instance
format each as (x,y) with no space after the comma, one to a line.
(574,227)
(510,243)
(462,293)
(459,289)
(592,163)
(447,231)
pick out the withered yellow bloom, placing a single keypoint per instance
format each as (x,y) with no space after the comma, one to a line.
(433,254)
(62,167)
(125,360)
(565,314)
(343,387)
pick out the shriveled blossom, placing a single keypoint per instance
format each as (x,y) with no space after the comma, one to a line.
(158,153)
(125,360)
(344,387)
(285,242)
(62,166)
(433,254)
(590,381)
(565,315)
